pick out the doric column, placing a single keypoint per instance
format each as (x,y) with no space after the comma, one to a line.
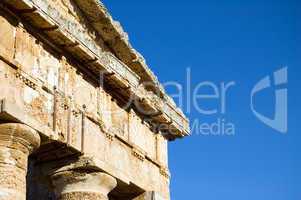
(77,185)
(17,141)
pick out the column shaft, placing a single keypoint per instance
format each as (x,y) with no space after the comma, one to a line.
(17,141)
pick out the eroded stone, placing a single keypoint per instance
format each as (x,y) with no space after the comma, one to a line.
(83,185)
(17,141)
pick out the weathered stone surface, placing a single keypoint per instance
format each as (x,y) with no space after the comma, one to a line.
(26,51)
(40,104)
(82,195)
(72,185)
(51,56)
(62,106)
(75,127)
(162,151)
(17,141)
(105,107)
(10,86)
(142,136)
(7,36)
(85,94)
(49,67)
(93,133)
(13,185)
(120,120)
(149,196)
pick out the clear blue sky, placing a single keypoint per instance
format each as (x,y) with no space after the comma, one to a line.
(222,41)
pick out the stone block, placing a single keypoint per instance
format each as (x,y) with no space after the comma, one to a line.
(61,112)
(39,104)
(49,68)
(27,52)
(67,78)
(105,109)
(85,94)
(10,87)
(95,141)
(120,121)
(162,150)
(119,156)
(142,136)
(7,38)
(75,127)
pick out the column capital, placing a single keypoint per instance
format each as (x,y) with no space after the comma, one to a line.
(78,184)
(19,136)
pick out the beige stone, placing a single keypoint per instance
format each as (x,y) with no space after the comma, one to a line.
(17,141)
(26,51)
(51,59)
(73,185)
(7,37)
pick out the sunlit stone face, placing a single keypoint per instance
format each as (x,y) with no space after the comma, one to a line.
(96,142)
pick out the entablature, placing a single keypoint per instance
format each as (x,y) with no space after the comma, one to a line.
(94,49)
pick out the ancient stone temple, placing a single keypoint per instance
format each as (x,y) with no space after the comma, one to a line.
(81,114)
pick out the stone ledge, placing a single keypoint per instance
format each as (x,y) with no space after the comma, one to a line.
(10,112)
